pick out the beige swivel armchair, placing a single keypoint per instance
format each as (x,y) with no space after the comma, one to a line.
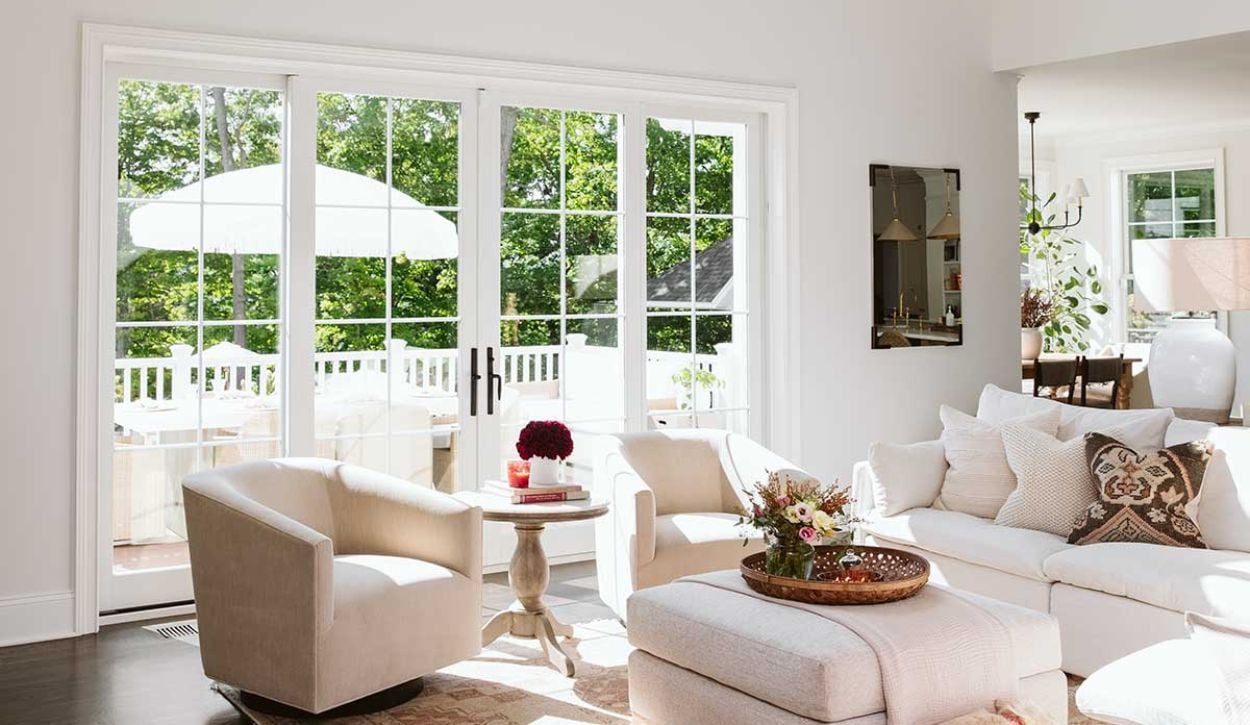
(318,583)
(675,498)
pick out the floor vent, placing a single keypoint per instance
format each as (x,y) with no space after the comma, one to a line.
(182,631)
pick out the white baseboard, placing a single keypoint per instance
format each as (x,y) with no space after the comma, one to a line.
(36,618)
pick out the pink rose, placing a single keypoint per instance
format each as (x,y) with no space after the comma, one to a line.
(808,534)
(757,511)
(783,502)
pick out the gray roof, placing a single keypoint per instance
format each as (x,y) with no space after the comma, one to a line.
(714,269)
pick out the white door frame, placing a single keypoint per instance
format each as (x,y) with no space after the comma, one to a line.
(104,45)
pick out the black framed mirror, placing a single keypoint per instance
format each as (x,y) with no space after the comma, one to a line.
(916,257)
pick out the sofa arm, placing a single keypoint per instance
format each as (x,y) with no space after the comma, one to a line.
(379,514)
(257,574)
(862,483)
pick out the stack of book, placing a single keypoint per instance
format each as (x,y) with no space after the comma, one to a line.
(538,494)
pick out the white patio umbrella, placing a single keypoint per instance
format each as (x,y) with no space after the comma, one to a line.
(351,217)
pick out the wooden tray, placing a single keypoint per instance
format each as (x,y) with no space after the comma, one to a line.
(899,575)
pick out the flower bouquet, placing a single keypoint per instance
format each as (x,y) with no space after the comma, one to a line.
(795,515)
(544,443)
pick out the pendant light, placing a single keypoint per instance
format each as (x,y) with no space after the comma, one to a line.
(948,226)
(896,230)
(1075,193)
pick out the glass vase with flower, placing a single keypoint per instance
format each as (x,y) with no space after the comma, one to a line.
(796,513)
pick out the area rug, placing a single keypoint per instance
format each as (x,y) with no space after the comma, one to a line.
(510,683)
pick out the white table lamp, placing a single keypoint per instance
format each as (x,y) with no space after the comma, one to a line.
(1193,366)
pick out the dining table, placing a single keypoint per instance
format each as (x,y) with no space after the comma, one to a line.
(1123,396)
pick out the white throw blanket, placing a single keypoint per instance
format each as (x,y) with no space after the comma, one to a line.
(941,655)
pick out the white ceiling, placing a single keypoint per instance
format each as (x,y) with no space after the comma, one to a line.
(1198,83)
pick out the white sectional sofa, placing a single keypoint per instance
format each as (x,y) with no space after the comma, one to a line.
(1111,599)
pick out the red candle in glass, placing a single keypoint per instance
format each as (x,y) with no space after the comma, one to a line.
(519,474)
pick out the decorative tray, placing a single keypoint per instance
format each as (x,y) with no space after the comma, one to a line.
(886,575)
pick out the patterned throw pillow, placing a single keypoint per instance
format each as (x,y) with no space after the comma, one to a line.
(1142,497)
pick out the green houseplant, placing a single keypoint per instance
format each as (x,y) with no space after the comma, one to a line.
(1060,276)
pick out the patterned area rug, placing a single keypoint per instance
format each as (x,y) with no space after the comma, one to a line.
(510,683)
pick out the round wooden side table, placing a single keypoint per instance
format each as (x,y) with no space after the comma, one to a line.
(529,573)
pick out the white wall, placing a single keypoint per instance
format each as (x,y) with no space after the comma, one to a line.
(878,82)
(1028,33)
(1089,157)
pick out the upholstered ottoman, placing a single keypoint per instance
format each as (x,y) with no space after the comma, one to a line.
(711,655)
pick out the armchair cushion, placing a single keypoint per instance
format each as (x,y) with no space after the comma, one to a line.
(394,616)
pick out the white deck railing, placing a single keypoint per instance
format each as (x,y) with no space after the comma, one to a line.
(176,376)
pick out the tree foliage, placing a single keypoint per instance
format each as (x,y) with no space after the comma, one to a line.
(167,137)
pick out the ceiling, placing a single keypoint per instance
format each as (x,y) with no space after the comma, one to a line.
(1197,83)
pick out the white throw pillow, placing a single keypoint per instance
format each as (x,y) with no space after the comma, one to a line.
(1140,429)
(1181,430)
(999,406)
(1055,485)
(1226,643)
(1224,501)
(905,476)
(979,479)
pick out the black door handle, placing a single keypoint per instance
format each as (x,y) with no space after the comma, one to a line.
(492,377)
(474,377)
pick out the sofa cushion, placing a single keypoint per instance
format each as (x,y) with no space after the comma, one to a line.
(696,543)
(906,476)
(786,656)
(1224,503)
(1140,428)
(979,478)
(970,539)
(1142,496)
(1206,581)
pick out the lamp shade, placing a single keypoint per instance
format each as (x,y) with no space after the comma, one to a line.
(1201,273)
(897,231)
(1077,189)
(947,227)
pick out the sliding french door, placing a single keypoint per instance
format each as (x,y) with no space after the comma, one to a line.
(401,277)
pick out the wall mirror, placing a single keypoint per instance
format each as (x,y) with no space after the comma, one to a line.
(917,278)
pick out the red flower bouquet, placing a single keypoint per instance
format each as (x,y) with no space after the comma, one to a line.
(545,439)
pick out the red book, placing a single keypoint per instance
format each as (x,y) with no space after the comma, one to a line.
(535,496)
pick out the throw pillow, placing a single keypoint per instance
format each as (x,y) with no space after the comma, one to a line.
(905,476)
(1144,428)
(1142,497)
(979,479)
(1055,485)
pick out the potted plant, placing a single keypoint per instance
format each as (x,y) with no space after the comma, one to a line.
(544,443)
(1035,312)
(795,515)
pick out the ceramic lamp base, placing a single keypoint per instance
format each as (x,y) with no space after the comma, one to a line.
(1193,370)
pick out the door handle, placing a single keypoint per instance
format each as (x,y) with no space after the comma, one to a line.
(492,377)
(474,377)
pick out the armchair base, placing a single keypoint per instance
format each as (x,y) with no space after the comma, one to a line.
(377,702)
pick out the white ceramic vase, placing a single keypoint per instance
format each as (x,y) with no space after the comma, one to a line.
(1193,370)
(1030,343)
(544,471)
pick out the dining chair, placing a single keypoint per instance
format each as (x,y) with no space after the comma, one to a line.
(1055,374)
(1100,372)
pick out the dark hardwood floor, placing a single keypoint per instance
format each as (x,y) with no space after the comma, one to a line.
(126,675)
